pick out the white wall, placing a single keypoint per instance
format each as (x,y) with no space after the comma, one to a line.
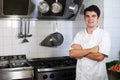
(10,44)
(112,25)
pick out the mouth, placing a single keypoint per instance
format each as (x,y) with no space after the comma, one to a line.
(90,21)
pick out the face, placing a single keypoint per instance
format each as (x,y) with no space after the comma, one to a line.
(91,19)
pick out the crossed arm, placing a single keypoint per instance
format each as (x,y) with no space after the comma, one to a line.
(91,53)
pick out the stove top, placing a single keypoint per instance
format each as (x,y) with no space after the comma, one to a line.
(53,62)
(13,61)
(54,68)
(13,65)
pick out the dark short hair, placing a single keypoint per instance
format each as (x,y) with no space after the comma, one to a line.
(93,8)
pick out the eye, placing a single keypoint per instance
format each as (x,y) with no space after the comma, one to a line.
(86,15)
(94,15)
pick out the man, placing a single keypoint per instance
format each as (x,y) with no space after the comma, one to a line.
(91,46)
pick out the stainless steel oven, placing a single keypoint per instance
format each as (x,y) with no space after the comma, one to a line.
(56,68)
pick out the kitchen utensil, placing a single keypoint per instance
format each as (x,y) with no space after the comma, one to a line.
(43,7)
(20,35)
(73,8)
(56,7)
(28,29)
(53,40)
(25,35)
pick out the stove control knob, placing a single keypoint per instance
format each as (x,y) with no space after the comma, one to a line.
(51,75)
(45,76)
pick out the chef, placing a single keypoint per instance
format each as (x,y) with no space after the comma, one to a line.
(91,47)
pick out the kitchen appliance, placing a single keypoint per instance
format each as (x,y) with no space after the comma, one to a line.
(16,8)
(15,67)
(40,9)
(54,68)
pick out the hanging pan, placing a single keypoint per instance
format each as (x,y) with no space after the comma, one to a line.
(56,7)
(43,7)
(53,40)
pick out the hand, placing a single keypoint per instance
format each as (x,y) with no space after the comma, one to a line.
(94,49)
(76,46)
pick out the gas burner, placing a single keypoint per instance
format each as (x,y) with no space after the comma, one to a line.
(53,62)
(15,65)
(4,64)
(12,61)
(4,58)
(18,57)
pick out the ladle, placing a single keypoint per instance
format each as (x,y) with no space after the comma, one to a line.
(25,35)
(21,29)
(28,30)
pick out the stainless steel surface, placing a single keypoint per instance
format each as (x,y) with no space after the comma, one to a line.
(25,33)
(56,68)
(15,74)
(73,8)
(56,7)
(9,9)
(43,7)
(35,12)
(15,67)
(65,74)
(21,35)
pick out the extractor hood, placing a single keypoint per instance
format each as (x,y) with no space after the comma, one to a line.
(16,8)
(40,9)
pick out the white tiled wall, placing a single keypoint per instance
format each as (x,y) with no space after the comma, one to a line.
(10,44)
(112,25)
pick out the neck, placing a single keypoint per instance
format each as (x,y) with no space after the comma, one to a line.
(90,29)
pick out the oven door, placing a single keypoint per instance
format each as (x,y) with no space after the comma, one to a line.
(58,74)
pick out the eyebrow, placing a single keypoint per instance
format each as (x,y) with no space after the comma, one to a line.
(92,15)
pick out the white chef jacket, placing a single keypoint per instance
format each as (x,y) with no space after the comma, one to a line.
(88,69)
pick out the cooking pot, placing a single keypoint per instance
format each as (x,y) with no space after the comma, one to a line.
(53,40)
(73,8)
(56,7)
(43,7)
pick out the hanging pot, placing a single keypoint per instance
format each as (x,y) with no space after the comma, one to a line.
(56,7)
(43,7)
(73,8)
